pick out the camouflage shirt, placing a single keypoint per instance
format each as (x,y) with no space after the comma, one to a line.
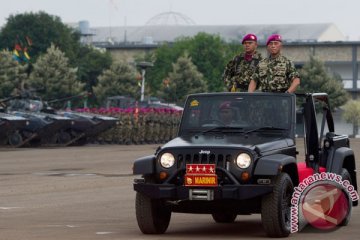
(275,75)
(238,72)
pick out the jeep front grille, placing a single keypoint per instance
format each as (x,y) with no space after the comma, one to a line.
(218,159)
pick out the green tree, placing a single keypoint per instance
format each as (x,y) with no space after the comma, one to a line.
(118,80)
(91,63)
(53,75)
(352,114)
(315,78)
(12,74)
(37,31)
(183,80)
(208,52)
(163,57)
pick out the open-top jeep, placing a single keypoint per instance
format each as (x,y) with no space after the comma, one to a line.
(236,154)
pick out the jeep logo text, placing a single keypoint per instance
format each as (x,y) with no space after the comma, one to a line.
(204,152)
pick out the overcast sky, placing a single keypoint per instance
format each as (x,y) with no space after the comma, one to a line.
(344,13)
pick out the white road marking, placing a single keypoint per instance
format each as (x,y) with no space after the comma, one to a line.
(58,225)
(8,208)
(103,233)
(72,226)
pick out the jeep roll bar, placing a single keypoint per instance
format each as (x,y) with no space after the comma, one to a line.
(312,139)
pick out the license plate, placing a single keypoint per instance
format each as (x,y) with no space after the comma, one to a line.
(193,180)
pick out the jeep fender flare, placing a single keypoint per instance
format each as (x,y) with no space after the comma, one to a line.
(343,158)
(336,163)
(273,164)
(144,165)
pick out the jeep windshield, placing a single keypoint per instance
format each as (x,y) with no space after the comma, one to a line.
(238,112)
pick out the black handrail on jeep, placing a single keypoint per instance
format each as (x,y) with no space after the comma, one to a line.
(311,138)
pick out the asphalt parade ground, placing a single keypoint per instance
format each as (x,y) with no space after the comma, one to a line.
(86,193)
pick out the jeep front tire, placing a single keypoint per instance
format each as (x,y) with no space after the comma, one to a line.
(152,215)
(276,206)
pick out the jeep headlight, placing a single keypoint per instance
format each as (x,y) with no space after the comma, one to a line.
(167,160)
(243,160)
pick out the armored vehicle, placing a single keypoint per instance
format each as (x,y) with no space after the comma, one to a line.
(85,126)
(236,154)
(42,128)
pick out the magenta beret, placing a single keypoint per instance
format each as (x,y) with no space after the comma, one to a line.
(249,37)
(274,37)
(225,105)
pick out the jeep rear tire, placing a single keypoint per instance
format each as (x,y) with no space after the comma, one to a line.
(345,175)
(224,217)
(152,215)
(276,207)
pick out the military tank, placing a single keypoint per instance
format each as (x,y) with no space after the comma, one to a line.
(86,125)
(42,128)
(47,126)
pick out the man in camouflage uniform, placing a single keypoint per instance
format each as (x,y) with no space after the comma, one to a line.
(238,72)
(149,129)
(275,73)
(163,120)
(175,116)
(127,126)
(142,125)
(117,132)
(157,125)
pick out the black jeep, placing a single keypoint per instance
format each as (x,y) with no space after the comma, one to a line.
(236,154)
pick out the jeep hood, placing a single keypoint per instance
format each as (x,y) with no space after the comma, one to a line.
(258,142)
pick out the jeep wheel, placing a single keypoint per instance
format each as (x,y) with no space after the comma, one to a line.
(224,217)
(275,207)
(152,215)
(345,175)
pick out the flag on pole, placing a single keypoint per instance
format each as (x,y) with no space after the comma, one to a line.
(21,51)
